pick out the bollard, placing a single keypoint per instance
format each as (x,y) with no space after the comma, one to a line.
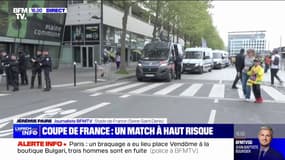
(7,77)
(74,73)
(95,67)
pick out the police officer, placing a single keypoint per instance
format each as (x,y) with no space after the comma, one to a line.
(46,64)
(14,72)
(5,60)
(36,69)
(177,63)
(23,68)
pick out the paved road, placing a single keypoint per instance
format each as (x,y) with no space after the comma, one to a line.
(194,99)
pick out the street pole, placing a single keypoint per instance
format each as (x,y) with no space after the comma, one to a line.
(101,32)
(74,73)
(95,72)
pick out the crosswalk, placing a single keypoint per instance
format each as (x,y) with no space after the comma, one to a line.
(213,91)
(3,94)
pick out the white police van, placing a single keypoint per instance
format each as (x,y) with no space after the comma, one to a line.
(197,60)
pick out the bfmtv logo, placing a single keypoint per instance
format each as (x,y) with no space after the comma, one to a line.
(29,132)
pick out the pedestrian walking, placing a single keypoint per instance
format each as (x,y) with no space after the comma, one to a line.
(46,65)
(1,67)
(275,66)
(267,61)
(118,60)
(36,69)
(23,68)
(239,65)
(14,72)
(248,63)
(177,63)
(256,74)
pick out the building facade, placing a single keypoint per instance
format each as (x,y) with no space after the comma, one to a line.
(82,32)
(246,39)
(37,32)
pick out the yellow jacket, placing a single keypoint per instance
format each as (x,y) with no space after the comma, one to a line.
(255,74)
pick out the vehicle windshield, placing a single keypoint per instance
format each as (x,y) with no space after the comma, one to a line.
(193,55)
(156,51)
(217,55)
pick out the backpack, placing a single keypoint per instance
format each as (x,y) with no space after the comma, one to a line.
(276,60)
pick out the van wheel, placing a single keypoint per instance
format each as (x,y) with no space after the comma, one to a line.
(169,77)
(139,79)
(210,70)
(201,70)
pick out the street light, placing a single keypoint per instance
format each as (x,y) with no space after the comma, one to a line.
(100,28)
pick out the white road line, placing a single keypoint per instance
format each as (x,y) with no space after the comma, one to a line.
(9,132)
(96,94)
(216,101)
(168,89)
(71,84)
(273,93)
(240,93)
(105,87)
(37,111)
(1,95)
(192,90)
(212,116)
(146,88)
(3,124)
(125,96)
(87,110)
(218,91)
(125,87)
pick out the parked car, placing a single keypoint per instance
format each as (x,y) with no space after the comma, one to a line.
(198,60)
(157,61)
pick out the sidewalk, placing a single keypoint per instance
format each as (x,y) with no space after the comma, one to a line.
(65,77)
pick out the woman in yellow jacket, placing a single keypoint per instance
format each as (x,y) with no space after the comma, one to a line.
(256,74)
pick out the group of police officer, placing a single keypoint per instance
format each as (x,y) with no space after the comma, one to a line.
(13,66)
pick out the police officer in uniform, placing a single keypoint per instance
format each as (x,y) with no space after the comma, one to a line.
(5,60)
(14,71)
(177,63)
(23,68)
(36,69)
(46,64)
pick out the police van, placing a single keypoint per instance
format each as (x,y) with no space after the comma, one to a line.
(197,60)
(157,61)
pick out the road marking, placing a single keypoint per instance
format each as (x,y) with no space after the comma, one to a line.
(241,95)
(105,87)
(1,95)
(6,132)
(37,111)
(212,116)
(217,91)
(125,96)
(3,124)
(84,111)
(216,101)
(125,87)
(146,88)
(273,93)
(71,84)
(96,94)
(68,112)
(192,90)
(168,89)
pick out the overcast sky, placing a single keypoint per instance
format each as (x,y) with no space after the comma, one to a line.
(251,15)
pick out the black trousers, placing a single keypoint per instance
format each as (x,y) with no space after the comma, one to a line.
(15,80)
(47,78)
(238,77)
(24,77)
(274,74)
(256,91)
(34,73)
(177,68)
